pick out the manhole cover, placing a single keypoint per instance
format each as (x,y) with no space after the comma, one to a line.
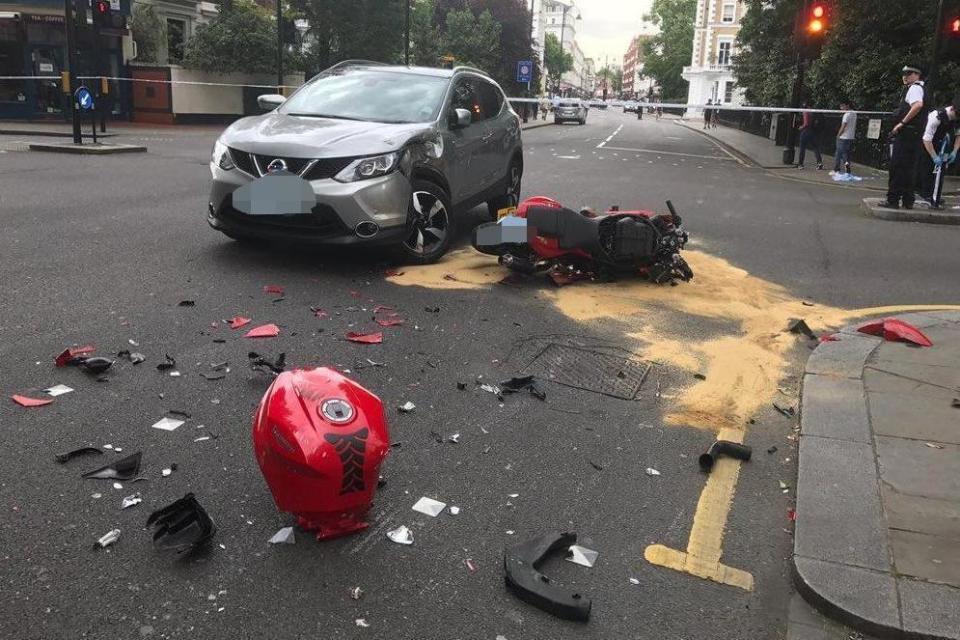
(610,372)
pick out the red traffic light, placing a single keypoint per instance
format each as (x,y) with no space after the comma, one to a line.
(103,7)
(955,27)
(818,11)
(817,20)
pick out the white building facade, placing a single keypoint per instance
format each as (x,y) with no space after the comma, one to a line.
(561,18)
(710,73)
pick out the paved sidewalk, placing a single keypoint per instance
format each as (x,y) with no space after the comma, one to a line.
(764,153)
(877,542)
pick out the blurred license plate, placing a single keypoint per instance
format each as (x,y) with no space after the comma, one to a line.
(275,194)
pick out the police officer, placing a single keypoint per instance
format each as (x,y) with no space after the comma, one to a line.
(905,140)
(941,143)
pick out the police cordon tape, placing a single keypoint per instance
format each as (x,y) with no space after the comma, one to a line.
(662,105)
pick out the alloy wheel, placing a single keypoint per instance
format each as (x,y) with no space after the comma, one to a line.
(430,223)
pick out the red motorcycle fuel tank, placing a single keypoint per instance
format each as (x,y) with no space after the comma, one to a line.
(319,438)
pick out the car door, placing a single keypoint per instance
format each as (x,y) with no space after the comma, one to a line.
(502,127)
(466,171)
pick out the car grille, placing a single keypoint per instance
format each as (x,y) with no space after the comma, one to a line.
(243,161)
(321,221)
(327,168)
(294,165)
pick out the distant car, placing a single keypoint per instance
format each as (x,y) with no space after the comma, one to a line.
(616,103)
(630,106)
(570,110)
(598,104)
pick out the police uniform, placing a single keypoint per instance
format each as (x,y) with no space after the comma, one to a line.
(941,131)
(905,145)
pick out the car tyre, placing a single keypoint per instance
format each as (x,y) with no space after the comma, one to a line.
(511,198)
(430,224)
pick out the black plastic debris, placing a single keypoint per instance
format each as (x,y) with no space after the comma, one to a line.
(772,449)
(724,448)
(432,309)
(63,458)
(187,303)
(524,580)
(95,365)
(167,364)
(788,412)
(528,383)
(181,526)
(179,414)
(956,403)
(461,386)
(135,358)
(123,469)
(700,376)
(801,327)
(261,363)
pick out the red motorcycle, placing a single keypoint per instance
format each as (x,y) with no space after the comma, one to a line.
(543,236)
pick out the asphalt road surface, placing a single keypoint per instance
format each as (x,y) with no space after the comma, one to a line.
(101,250)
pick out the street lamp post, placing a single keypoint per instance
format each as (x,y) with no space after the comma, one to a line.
(406,41)
(279,46)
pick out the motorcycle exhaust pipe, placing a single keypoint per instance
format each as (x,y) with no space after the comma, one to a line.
(724,448)
(367,229)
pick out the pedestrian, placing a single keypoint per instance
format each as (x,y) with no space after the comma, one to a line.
(845,137)
(545,106)
(905,140)
(808,138)
(941,143)
(707,114)
(714,115)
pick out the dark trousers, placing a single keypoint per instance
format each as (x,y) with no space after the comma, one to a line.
(905,150)
(809,139)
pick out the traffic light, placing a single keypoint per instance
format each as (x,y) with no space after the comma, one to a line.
(955,27)
(101,12)
(817,19)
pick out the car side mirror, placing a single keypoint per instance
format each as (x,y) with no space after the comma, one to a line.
(270,101)
(460,119)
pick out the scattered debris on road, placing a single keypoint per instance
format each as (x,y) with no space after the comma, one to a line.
(181,526)
(63,458)
(57,390)
(25,401)
(719,448)
(283,536)
(131,501)
(365,338)
(650,471)
(168,363)
(94,365)
(788,412)
(401,535)
(524,579)
(123,469)
(107,539)
(274,289)
(167,424)
(133,357)
(68,356)
(429,506)
(406,407)
(582,556)
(800,327)
(934,445)
(264,331)
(261,363)
(236,322)
(894,330)
(528,383)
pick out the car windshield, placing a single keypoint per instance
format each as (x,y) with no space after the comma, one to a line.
(569,104)
(370,95)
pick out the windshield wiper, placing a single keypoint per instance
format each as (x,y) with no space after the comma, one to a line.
(326,115)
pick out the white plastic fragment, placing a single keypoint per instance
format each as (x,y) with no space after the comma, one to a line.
(454,438)
(634,581)
(117,486)
(650,471)
(360,622)
(356,593)
(174,374)
(107,539)
(407,407)
(57,390)
(166,472)
(131,501)
(454,511)
(167,424)
(429,506)
(582,556)
(284,536)
(96,496)
(401,535)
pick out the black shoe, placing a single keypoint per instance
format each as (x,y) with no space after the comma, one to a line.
(908,205)
(890,205)
(820,167)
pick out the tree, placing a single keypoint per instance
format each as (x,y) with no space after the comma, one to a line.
(425,35)
(516,42)
(669,51)
(472,40)
(243,37)
(557,61)
(613,76)
(863,51)
(149,32)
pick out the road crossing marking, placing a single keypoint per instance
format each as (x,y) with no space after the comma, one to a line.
(602,144)
(672,153)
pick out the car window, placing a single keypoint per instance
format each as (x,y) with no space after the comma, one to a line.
(569,104)
(368,94)
(466,96)
(490,98)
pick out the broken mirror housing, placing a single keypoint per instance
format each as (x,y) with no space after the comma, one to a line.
(319,438)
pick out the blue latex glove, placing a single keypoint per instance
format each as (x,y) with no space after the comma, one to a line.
(952,157)
(938,161)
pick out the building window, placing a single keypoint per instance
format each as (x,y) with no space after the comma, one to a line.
(728,92)
(725,46)
(176,36)
(729,12)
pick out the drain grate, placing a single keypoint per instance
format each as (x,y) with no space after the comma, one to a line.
(612,372)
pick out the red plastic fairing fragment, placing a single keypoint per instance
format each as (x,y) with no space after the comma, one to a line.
(382,307)
(365,338)
(273,288)
(319,439)
(791,515)
(389,322)
(64,358)
(24,401)
(320,314)
(265,331)
(829,338)
(893,330)
(238,321)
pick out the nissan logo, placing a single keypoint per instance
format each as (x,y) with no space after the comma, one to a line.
(276,165)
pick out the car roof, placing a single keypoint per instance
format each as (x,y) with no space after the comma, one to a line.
(402,69)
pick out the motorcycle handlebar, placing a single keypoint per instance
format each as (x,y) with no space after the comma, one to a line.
(673,212)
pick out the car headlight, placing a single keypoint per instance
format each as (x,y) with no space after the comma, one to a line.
(221,156)
(366,168)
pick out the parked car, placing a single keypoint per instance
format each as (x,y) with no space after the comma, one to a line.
(570,110)
(366,153)
(598,104)
(630,106)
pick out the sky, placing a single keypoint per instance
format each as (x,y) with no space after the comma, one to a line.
(608,26)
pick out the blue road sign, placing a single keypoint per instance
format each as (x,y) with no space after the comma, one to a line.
(84,98)
(524,71)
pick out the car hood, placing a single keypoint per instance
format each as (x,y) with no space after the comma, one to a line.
(305,137)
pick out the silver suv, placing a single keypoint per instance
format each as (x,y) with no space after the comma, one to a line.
(369,153)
